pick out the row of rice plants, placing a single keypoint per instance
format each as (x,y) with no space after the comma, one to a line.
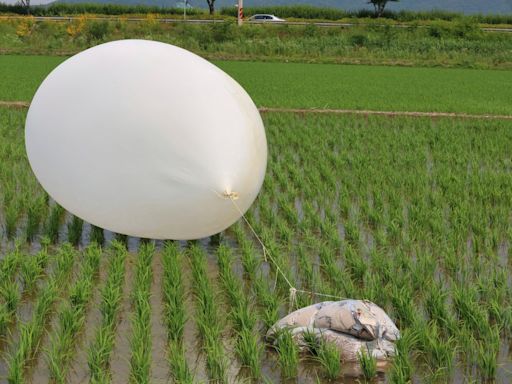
(9,288)
(71,316)
(174,312)
(32,331)
(100,350)
(208,317)
(140,362)
(242,315)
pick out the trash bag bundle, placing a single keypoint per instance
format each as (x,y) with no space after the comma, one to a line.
(349,324)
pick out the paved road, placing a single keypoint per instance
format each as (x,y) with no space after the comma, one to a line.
(324,24)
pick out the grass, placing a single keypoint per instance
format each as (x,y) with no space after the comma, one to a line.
(323,86)
(442,43)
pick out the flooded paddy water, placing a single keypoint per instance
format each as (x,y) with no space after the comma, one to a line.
(413,215)
(308,371)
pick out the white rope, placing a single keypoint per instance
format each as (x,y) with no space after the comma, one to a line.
(293,291)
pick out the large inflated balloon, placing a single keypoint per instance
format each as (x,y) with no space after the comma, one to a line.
(146,139)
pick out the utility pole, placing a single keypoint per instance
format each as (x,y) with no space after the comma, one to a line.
(240,12)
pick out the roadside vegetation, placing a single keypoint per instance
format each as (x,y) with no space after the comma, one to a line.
(459,43)
(304,12)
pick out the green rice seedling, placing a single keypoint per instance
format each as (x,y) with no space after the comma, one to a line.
(5,318)
(75,230)
(487,362)
(140,362)
(329,357)
(72,316)
(100,350)
(54,222)
(173,293)
(288,353)
(402,368)
(180,371)
(32,331)
(249,350)
(11,295)
(34,216)
(249,260)
(403,306)
(174,313)
(97,235)
(437,308)
(9,265)
(268,301)
(64,260)
(12,214)
(368,364)
(208,318)
(30,271)
(467,307)
(216,363)
(99,353)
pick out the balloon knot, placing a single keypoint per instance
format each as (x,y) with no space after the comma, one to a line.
(231,195)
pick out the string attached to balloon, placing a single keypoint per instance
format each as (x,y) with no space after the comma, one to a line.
(292,289)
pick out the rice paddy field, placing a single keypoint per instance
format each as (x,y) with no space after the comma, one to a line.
(414,214)
(298,85)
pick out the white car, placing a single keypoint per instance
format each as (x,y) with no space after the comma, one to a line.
(261,17)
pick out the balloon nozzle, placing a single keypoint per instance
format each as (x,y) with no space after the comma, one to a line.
(231,195)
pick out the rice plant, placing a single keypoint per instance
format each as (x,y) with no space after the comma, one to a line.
(72,316)
(208,318)
(100,350)
(75,227)
(140,362)
(329,357)
(288,353)
(174,313)
(54,222)
(32,331)
(368,364)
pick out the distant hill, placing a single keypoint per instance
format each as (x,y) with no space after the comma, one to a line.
(464,6)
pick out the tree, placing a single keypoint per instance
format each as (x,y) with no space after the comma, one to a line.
(25,4)
(211,6)
(378,5)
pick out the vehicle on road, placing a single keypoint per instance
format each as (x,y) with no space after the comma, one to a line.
(263,17)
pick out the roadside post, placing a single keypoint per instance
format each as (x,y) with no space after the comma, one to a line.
(240,12)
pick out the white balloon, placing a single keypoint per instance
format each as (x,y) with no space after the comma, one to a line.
(145,139)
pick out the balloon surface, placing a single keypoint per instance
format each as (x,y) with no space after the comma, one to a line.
(146,139)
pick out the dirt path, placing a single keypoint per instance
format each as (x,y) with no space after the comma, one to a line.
(384,113)
(25,104)
(14,104)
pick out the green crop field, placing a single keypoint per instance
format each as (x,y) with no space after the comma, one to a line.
(323,86)
(411,213)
